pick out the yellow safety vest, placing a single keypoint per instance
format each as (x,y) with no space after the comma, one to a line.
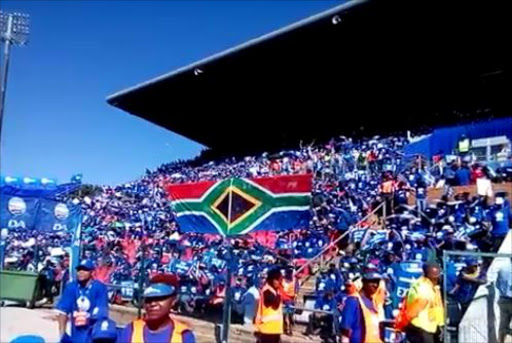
(268,320)
(372,320)
(464,145)
(432,316)
(176,337)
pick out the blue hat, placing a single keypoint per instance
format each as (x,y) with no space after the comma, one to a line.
(104,329)
(86,264)
(471,261)
(28,339)
(372,276)
(158,290)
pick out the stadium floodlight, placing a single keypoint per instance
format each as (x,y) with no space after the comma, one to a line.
(14,30)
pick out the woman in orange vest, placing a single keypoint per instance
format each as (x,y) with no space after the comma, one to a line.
(269,317)
(362,314)
(158,326)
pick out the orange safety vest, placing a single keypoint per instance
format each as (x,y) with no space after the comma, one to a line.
(388,187)
(176,337)
(371,320)
(289,288)
(269,321)
(219,295)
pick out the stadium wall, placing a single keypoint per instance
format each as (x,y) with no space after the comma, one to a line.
(445,139)
(436,193)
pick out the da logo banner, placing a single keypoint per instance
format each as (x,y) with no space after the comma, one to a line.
(27,213)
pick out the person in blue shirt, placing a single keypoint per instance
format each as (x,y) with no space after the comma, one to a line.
(468,281)
(335,276)
(104,331)
(158,326)
(353,327)
(463,175)
(319,320)
(82,302)
(500,220)
(421,195)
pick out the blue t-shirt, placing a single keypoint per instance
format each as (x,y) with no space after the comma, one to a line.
(92,299)
(161,336)
(325,304)
(463,176)
(421,193)
(500,219)
(352,319)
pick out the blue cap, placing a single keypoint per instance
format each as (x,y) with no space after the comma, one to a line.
(471,261)
(158,290)
(86,264)
(28,339)
(104,329)
(372,276)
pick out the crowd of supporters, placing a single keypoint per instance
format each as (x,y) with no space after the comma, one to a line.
(130,229)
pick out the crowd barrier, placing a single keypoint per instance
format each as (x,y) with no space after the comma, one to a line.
(478,320)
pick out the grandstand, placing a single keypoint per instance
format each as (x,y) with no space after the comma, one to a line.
(421,63)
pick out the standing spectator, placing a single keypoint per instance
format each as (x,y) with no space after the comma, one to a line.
(269,318)
(82,300)
(289,293)
(158,326)
(422,312)
(504,285)
(469,280)
(463,175)
(500,220)
(421,195)
(361,314)
(317,320)
(250,302)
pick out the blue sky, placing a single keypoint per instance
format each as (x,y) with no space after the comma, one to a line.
(57,122)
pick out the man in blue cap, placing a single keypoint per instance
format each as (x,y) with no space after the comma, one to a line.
(104,331)
(362,313)
(83,301)
(158,326)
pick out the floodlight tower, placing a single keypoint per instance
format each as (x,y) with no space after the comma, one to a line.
(14,30)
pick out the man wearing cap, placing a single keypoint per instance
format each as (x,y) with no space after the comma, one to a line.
(467,283)
(82,301)
(158,326)
(421,315)
(269,316)
(362,314)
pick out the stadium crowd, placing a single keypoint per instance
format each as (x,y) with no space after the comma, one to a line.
(130,229)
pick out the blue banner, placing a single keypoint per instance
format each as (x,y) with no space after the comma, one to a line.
(29,213)
(18,212)
(75,249)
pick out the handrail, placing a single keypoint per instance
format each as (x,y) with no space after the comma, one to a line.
(356,226)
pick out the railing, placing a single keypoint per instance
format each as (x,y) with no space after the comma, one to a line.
(358,225)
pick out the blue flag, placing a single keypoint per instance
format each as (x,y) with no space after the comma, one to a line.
(75,249)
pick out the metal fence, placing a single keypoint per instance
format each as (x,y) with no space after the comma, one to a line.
(471,307)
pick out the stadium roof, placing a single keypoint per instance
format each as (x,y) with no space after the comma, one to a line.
(361,68)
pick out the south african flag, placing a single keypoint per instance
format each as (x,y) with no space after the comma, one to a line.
(238,205)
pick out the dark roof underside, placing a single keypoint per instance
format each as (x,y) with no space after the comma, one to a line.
(387,66)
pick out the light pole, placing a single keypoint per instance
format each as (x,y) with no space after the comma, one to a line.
(14,30)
